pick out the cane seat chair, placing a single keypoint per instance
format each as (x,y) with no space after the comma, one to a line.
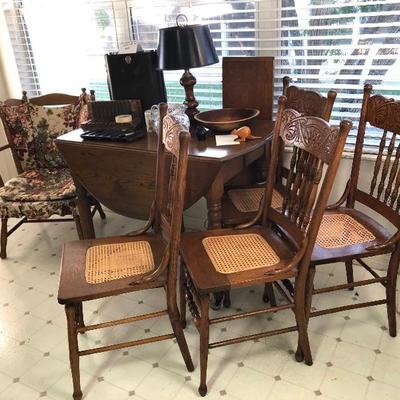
(276,245)
(348,234)
(44,186)
(240,204)
(98,268)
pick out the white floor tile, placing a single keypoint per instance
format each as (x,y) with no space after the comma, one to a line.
(19,391)
(387,369)
(283,390)
(45,374)
(300,374)
(343,385)
(251,384)
(354,356)
(378,390)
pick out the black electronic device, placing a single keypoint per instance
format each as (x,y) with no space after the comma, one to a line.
(136,76)
(113,135)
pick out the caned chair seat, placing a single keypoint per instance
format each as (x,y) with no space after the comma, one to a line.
(106,266)
(346,230)
(108,262)
(248,199)
(223,260)
(236,253)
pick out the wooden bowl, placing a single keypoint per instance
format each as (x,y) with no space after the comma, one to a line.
(226,119)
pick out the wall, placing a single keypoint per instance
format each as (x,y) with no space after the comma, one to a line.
(9,87)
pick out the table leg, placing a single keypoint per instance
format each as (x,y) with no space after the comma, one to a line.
(214,203)
(84,211)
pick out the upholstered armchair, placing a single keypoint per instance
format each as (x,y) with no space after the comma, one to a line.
(43,186)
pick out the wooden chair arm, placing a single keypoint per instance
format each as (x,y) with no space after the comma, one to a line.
(393,241)
(255,219)
(147,226)
(342,198)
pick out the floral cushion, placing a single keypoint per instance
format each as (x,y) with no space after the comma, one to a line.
(37,209)
(38,194)
(39,185)
(33,130)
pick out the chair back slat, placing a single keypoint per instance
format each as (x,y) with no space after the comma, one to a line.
(381,113)
(313,142)
(391,192)
(308,102)
(316,146)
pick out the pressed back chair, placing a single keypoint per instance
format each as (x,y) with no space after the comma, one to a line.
(276,245)
(348,234)
(241,204)
(44,186)
(99,268)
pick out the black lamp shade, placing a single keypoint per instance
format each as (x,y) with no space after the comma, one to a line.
(185,47)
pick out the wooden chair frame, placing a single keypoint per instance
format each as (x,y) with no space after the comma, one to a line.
(309,103)
(382,198)
(51,99)
(166,221)
(296,223)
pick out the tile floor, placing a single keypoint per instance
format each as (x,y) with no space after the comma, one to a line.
(354,356)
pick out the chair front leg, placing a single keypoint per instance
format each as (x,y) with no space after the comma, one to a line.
(70,311)
(393,269)
(4,235)
(204,341)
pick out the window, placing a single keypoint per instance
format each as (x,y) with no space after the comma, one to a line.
(322,44)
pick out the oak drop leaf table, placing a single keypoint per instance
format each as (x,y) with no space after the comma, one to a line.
(122,175)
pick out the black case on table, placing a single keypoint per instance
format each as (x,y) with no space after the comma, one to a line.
(136,76)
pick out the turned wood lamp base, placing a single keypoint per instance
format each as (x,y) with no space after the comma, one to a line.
(188,81)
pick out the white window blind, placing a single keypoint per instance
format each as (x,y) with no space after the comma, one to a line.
(321,44)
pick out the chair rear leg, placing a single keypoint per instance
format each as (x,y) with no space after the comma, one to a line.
(100,210)
(204,341)
(175,318)
(182,295)
(79,315)
(269,294)
(4,235)
(300,310)
(308,303)
(78,224)
(391,290)
(70,311)
(349,272)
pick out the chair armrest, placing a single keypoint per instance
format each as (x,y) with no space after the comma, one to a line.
(147,226)
(389,243)
(342,198)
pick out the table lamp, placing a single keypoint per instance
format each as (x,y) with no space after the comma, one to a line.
(185,47)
